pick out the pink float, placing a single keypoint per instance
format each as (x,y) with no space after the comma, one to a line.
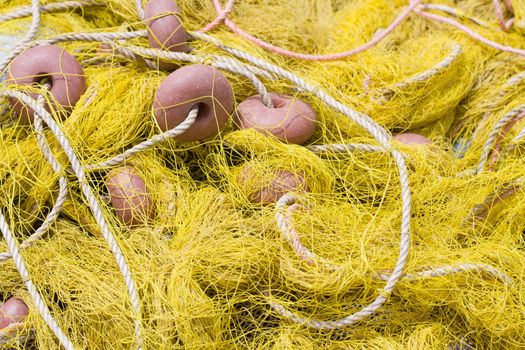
(290,119)
(64,74)
(194,85)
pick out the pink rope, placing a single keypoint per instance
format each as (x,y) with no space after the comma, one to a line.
(508,3)
(221,15)
(330,57)
(498,144)
(473,34)
(499,15)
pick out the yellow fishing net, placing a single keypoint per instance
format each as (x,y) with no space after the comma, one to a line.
(251,242)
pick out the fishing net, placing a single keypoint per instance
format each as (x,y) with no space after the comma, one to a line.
(119,233)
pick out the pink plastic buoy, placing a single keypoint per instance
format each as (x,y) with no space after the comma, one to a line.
(165,28)
(194,85)
(14,310)
(63,72)
(290,120)
(410,138)
(283,182)
(129,196)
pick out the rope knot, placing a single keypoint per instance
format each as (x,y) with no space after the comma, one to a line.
(222,14)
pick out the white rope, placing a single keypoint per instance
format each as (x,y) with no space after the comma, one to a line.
(93,204)
(14,250)
(505,87)
(26,11)
(201,59)
(122,51)
(140,9)
(234,67)
(515,141)
(382,136)
(179,129)
(424,76)
(229,65)
(22,45)
(221,62)
(346,148)
(289,203)
(494,133)
(102,37)
(216,61)
(362,120)
(35,295)
(62,192)
(285,207)
(447,270)
(513,81)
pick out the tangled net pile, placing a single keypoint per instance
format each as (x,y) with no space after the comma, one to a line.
(345,238)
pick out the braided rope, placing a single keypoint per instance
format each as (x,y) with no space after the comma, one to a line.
(285,207)
(426,75)
(494,133)
(26,11)
(504,25)
(509,84)
(222,13)
(140,9)
(94,61)
(102,37)
(382,136)
(217,61)
(513,81)
(364,121)
(179,129)
(62,192)
(289,203)
(35,295)
(414,6)
(473,34)
(346,148)
(14,251)
(438,68)
(122,52)
(447,270)
(234,67)
(231,65)
(22,45)
(330,57)
(515,141)
(93,204)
